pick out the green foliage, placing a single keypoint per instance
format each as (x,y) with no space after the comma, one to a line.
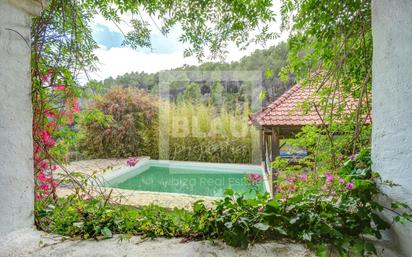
(95,218)
(122,123)
(205,26)
(125,122)
(322,210)
(236,219)
(191,94)
(325,152)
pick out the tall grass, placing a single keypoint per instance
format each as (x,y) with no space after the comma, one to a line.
(198,132)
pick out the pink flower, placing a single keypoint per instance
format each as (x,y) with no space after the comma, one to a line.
(44,78)
(329,177)
(42,177)
(349,185)
(76,105)
(303,178)
(86,196)
(38,196)
(44,187)
(59,87)
(254,178)
(291,189)
(49,114)
(261,209)
(341,180)
(43,164)
(47,139)
(132,161)
(291,179)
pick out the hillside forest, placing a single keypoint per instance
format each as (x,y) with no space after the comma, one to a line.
(207,108)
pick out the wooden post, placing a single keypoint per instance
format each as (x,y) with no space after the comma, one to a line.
(275,153)
(263,149)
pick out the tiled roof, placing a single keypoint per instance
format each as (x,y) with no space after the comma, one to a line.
(285,110)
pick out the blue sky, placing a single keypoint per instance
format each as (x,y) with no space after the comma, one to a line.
(166,52)
(160,44)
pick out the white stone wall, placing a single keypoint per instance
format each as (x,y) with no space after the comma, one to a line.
(16,164)
(392,106)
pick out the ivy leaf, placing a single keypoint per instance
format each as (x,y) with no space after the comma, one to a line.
(293,220)
(403,219)
(281,231)
(106,232)
(229,224)
(261,226)
(307,236)
(398,205)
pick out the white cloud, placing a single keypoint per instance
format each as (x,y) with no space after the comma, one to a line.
(117,61)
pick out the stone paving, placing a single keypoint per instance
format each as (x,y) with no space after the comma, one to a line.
(38,244)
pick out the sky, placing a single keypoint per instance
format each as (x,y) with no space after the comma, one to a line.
(166,52)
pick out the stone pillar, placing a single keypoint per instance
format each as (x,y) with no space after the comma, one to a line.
(392,106)
(16,144)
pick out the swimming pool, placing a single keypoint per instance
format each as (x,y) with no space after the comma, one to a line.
(192,178)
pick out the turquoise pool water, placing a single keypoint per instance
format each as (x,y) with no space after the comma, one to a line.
(186,178)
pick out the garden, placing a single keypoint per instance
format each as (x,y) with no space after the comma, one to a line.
(327,199)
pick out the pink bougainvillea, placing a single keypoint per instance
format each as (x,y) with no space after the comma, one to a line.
(48,118)
(59,87)
(132,161)
(253,179)
(349,185)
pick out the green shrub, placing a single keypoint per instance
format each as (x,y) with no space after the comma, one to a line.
(131,127)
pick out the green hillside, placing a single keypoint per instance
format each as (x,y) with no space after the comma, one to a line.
(227,92)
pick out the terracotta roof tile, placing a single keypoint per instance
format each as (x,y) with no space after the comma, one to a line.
(285,110)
